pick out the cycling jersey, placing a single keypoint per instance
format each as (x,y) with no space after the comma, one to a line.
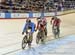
(29,26)
(40,25)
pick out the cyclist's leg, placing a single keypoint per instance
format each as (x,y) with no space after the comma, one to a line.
(38,37)
(42,36)
(54,30)
(27,36)
(58,29)
(31,37)
(46,32)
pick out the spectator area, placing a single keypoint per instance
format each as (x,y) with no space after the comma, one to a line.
(22,6)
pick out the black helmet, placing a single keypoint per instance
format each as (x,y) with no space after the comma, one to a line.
(29,21)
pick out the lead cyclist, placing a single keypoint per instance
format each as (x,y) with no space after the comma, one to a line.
(29,25)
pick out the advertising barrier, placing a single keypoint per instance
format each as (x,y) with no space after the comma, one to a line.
(19,15)
(32,15)
(2,15)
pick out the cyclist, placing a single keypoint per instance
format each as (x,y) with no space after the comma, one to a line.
(41,30)
(40,24)
(55,22)
(29,25)
(45,24)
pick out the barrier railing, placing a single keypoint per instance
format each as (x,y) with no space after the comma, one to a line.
(32,15)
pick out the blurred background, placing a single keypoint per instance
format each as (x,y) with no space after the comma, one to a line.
(22,6)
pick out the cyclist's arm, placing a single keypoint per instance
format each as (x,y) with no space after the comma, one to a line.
(37,26)
(24,29)
(51,20)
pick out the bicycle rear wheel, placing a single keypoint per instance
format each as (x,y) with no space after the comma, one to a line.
(42,37)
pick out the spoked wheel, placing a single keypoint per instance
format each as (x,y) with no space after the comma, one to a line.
(45,32)
(24,42)
(38,38)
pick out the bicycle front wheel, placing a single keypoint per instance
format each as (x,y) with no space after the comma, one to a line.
(24,42)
